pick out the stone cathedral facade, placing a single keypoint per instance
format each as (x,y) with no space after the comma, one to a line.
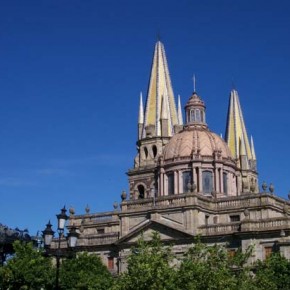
(188,181)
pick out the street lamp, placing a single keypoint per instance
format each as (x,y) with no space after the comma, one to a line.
(48,234)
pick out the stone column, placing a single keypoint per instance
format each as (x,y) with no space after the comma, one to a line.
(221,180)
(161,182)
(180,182)
(175,182)
(216,179)
(199,180)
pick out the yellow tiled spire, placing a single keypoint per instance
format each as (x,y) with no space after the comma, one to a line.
(160,88)
(236,129)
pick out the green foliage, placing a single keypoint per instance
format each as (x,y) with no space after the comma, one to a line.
(273,273)
(85,272)
(28,269)
(206,267)
(149,268)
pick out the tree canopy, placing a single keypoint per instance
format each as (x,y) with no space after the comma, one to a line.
(27,269)
(86,271)
(151,266)
(203,267)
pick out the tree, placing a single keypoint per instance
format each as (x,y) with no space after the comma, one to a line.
(203,267)
(86,272)
(210,267)
(27,269)
(273,273)
(149,267)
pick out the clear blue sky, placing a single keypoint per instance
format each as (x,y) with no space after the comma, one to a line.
(70,76)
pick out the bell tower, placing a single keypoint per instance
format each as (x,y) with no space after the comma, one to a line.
(156,125)
(238,142)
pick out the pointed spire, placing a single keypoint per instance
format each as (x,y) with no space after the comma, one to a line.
(180,119)
(141,111)
(160,88)
(253,149)
(236,129)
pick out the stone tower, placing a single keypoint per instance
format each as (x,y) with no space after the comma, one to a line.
(238,142)
(156,125)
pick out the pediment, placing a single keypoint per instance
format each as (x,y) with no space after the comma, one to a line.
(146,230)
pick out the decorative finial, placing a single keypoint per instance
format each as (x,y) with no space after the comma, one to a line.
(115,205)
(71,210)
(253,148)
(158,36)
(141,110)
(194,83)
(233,84)
(264,186)
(179,112)
(123,195)
(87,209)
(271,188)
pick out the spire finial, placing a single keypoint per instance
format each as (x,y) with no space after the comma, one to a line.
(141,111)
(194,83)
(158,35)
(253,149)
(233,84)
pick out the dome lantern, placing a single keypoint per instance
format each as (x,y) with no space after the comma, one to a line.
(195,111)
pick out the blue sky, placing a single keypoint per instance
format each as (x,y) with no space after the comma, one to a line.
(70,76)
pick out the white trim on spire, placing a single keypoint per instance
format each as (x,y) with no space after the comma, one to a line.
(164,109)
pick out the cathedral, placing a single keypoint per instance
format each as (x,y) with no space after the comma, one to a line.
(187,181)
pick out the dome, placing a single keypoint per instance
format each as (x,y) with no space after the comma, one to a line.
(196,140)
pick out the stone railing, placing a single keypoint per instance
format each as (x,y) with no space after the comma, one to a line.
(209,203)
(87,219)
(246,226)
(220,229)
(95,240)
(92,240)
(263,225)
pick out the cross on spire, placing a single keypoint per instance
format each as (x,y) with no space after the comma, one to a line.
(194,83)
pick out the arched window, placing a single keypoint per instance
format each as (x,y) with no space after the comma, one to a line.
(141,191)
(170,177)
(197,115)
(154,150)
(146,152)
(187,179)
(207,184)
(192,117)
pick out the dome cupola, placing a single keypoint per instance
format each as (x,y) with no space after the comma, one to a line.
(195,112)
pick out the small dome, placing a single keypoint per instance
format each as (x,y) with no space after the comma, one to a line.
(196,141)
(195,100)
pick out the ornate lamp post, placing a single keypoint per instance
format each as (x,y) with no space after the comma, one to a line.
(48,234)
